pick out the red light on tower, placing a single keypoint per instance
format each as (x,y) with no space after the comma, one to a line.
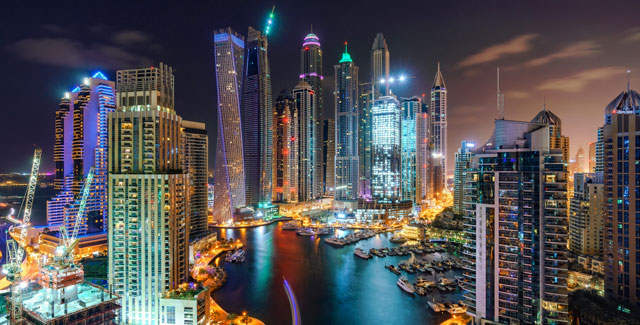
(306,48)
(285,119)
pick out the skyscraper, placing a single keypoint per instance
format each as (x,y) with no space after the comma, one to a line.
(438,114)
(81,143)
(365,157)
(581,164)
(309,171)
(386,143)
(463,157)
(195,155)
(516,208)
(229,174)
(557,140)
(257,119)
(285,149)
(379,67)
(423,154)
(411,108)
(592,157)
(148,194)
(585,215)
(346,129)
(328,157)
(621,154)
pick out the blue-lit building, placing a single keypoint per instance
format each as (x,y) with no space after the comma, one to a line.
(81,143)
(463,157)
(346,129)
(411,107)
(229,173)
(386,143)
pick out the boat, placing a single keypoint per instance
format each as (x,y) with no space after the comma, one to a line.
(457,309)
(305,232)
(435,306)
(323,231)
(404,284)
(291,225)
(334,241)
(361,254)
(420,291)
(393,269)
(398,239)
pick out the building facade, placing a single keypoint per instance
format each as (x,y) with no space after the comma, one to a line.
(195,155)
(411,108)
(346,129)
(386,171)
(379,67)
(463,157)
(592,157)
(621,154)
(257,119)
(81,143)
(423,154)
(438,114)
(309,170)
(516,263)
(585,215)
(229,173)
(285,149)
(148,194)
(328,157)
(365,133)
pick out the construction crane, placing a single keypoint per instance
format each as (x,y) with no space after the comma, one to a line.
(69,241)
(13,268)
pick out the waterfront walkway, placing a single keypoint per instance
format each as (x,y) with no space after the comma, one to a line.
(250,225)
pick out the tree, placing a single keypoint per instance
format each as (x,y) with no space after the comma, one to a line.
(231,317)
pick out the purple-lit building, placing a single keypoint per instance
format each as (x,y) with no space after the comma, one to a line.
(81,143)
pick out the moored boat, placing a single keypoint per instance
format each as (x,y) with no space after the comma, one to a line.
(404,284)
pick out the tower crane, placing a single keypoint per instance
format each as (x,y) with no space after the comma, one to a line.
(69,241)
(13,267)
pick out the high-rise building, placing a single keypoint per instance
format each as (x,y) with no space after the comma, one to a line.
(309,160)
(463,158)
(257,119)
(438,114)
(81,143)
(328,157)
(557,140)
(411,108)
(195,155)
(148,194)
(621,146)
(516,219)
(386,119)
(585,215)
(229,174)
(285,149)
(365,157)
(311,69)
(581,163)
(423,154)
(592,157)
(379,67)
(346,129)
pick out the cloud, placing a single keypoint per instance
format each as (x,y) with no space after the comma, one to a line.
(516,94)
(576,82)
(633,35)
(516,45)
(71,53)
(131,37)
(576,50)
(55,29)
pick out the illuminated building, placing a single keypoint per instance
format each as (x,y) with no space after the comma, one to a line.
(257,115)
(81,143)
(346,128)
(311,69)
(386,143)
(423,155)
(148,194)
(190,304)
(581,166)
(414,231)
(585,215)
(309,171)
(411,107)
(195,155)
(379,67)
(557,140)
(365,157)
(592,157)
(463,157)
(516,262)
(328,156)
(285,149)
(621,164)
(438,114)
(229,165)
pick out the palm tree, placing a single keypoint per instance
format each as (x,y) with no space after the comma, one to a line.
(231,317)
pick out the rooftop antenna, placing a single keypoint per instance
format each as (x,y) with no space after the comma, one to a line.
(544,103)
(628,77)
(270,21)
(500,99)
(311,29)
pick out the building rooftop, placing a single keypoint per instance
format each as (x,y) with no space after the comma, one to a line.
(185,291)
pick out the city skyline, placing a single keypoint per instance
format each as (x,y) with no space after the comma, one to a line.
(575,91)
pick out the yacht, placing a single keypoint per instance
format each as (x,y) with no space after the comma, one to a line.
(393,269)
(398,239)
(434,306)
(404,284)
(305,232)
(323,231)
(334,241)
(291,225)
(457,309)
(361,254)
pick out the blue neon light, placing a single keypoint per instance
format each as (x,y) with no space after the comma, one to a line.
(100,75)
(75,90)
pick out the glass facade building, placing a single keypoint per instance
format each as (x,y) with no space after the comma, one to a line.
(386,144)
(195,149)
(411,107)
(379,67)
(309,171)
(438,114)
(285,149)
(463,156)
(365,133)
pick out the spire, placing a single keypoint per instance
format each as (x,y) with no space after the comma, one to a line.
(500,98)
(628,78)
(346,57)
(379,43)
(438,82)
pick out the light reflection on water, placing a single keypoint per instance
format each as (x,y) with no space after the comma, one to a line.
(332,285)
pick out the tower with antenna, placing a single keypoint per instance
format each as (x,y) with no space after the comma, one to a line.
(500,98)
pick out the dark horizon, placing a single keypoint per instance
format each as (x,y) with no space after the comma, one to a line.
(575,63)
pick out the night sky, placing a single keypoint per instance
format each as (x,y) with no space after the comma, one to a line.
(572,54)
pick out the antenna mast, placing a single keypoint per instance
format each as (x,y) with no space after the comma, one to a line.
(500,99)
